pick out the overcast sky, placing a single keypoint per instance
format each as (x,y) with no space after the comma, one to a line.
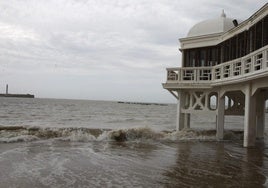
(100,49)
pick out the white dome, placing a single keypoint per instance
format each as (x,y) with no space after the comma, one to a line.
(212,26)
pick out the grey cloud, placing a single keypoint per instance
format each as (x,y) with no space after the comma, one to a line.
(100,44)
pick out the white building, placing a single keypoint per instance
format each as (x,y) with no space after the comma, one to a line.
(224,61)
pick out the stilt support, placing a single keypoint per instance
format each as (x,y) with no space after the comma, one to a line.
(220,119)
(250,118)
(260,115)
(183,119)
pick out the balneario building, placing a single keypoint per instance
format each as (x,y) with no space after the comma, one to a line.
(224,72)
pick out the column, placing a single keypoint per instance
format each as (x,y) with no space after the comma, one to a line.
(183,119)
(220,118)
(187,120)
(260,115)
(179,114)
(250,118)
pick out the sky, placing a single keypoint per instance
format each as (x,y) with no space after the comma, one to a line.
(100,49)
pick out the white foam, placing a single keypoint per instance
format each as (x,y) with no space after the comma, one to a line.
(19,138)
(79,136)
(104,136)
(189,134)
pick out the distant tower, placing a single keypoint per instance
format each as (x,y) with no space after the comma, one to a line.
(7,89)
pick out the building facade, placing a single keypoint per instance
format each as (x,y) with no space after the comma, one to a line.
(224,72)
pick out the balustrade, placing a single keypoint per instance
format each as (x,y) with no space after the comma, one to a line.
(250,64)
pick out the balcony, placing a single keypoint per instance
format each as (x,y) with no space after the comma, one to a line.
(251,66)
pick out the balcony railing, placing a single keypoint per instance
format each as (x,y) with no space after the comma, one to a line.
(250,65)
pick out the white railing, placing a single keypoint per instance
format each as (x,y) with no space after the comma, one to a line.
(249,65)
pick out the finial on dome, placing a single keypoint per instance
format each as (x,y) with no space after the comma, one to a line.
(223,15)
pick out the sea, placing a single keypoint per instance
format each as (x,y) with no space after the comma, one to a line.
(84,143)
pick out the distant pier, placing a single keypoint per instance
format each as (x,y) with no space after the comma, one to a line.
(15,95)
(142,103)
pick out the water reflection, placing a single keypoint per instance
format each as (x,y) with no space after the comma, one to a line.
(218,165)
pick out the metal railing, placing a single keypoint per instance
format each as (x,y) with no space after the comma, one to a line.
(249,65)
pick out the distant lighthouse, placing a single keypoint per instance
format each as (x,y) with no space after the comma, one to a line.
(6,89)
(15,95)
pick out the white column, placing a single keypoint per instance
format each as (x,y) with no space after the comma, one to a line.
(260,115)
(250,118)
(178,123)
(183,120)
(220,118)
(187,120)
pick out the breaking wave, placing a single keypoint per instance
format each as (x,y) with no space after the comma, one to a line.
(205,135)
(10,134)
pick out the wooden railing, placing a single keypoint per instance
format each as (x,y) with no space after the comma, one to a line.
(249,65)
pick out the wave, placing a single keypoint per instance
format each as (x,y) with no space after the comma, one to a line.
(205,135)
(10,134)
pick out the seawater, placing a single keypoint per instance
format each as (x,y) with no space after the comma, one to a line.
(75,143)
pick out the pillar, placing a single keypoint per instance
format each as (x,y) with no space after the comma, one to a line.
(183,119)
(260,102)
(250,118)
(187,118)
(220,118)
(179,115)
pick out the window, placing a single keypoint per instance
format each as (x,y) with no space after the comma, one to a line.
(265,31)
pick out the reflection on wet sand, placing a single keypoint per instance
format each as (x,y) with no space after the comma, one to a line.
(217,165)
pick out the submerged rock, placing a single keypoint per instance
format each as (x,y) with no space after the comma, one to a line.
(119,136)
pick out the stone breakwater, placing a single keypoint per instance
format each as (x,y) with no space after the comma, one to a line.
(17,95)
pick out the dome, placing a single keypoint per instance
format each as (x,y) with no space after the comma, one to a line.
(213,26)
